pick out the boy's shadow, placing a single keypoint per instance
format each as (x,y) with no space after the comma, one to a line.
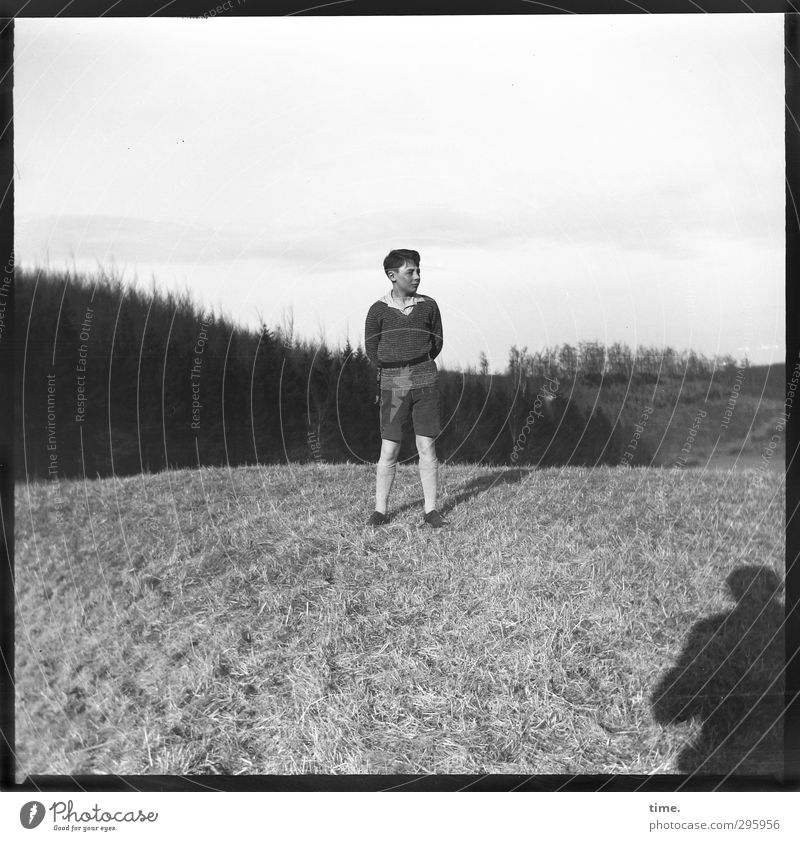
(730,677)
(475,486)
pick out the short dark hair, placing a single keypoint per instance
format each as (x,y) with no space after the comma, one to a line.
(398,257)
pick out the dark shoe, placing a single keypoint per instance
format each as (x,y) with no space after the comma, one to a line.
(435,519)
(377,519)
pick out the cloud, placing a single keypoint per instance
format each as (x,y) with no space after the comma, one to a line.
(126,239)
(673,221)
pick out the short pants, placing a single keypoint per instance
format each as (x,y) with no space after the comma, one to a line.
(421,403)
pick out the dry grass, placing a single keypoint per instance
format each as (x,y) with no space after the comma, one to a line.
(244,621)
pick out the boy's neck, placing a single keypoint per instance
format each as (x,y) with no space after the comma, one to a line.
(401,297)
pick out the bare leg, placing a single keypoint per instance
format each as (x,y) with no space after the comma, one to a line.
(387,467)
(428,470)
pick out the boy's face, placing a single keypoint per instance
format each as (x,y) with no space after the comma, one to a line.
(405,279)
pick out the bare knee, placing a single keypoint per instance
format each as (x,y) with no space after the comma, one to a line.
(426,447)
(389,452)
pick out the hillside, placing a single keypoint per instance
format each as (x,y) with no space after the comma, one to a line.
(726,422)
(112,380)
(244,621)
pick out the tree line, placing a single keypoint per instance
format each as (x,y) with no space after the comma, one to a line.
(114,379)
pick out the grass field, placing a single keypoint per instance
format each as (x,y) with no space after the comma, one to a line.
(244,621)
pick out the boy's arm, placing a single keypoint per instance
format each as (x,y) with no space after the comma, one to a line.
(372,334)
(437,339)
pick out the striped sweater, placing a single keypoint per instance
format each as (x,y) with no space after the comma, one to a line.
(392,336)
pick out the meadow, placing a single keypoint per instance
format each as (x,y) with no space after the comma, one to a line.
(244,621)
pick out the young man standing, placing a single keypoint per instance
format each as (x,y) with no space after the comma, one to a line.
(403,335)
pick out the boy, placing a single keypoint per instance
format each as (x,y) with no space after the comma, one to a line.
(403,335)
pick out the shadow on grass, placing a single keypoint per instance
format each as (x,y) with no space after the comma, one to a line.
(476,486)
(730,677)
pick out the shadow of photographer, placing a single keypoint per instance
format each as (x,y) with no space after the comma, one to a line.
(730,676)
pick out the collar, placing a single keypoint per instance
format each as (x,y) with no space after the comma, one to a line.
(391,302)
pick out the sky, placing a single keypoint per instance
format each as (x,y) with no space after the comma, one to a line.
(565,178)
